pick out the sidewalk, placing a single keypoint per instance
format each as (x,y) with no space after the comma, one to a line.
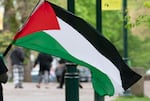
(147,88)
(31,93)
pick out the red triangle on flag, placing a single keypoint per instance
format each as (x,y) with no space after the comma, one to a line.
(43,18)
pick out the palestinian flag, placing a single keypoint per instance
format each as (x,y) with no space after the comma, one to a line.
(53,30)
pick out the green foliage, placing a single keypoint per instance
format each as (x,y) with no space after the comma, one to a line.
(86,10)
(134,50)
(112,28)
(141,57)
(139,51)
(62,3)
(139,17)
(147,4)
(5,40)
(132,98)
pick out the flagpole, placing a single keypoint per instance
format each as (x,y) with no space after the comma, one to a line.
(99,28)
(7,49)
(71,82)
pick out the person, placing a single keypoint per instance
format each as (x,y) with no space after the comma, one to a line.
(61,83)
(17,57)
(44,61)
(59,69)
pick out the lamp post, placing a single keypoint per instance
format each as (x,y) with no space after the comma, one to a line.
(125,39)
(125,31)
(72,83)
(71,6)
(99,28)
(71,75)
(99,16)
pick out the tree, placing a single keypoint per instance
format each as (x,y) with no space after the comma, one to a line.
(10,22)
(139,25)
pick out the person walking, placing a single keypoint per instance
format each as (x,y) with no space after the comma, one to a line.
(45,61)
(62,64)
(17,58)
(59,69)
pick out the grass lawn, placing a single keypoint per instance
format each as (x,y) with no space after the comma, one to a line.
(132,98)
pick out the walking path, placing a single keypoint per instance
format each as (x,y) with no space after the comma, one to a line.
(147,88)
(31,93)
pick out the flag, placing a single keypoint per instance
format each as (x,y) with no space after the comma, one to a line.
(3,68)
(54,30)
(3,71)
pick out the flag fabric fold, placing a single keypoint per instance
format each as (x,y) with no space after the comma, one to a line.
(3,68)
(53,30)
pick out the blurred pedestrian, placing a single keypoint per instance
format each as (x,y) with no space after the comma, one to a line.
(17,58)
(62,78)
(59,69)
(44,61)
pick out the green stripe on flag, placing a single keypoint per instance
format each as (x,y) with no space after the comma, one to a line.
(49,45)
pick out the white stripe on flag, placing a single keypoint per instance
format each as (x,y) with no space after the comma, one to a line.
(80,48)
